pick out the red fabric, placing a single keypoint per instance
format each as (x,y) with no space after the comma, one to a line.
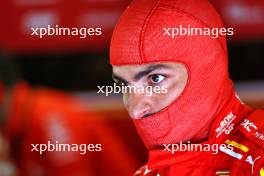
(196,163)
(253,127)
(138,39)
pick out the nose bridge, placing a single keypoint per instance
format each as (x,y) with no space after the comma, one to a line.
(138,104)
(135,98)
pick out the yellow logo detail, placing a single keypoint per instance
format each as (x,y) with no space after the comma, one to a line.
(237,145)
(261,172)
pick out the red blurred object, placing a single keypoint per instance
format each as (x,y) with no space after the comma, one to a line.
(19,16)
(40,115)
(245,16)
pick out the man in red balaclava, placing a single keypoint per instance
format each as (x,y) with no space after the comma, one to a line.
(199,106)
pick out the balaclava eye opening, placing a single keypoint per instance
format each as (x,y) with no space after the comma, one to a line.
(140,38)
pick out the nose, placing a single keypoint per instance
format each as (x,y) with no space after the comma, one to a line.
(137,105)
(138,112)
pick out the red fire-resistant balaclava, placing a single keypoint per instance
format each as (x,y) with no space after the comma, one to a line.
(139,39)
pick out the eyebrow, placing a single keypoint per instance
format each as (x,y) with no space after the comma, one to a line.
(144,72)
(150,69)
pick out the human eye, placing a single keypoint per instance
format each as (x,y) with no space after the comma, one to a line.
(156,79)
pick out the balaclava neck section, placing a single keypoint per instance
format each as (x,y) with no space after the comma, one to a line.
(234,106)
(139,39)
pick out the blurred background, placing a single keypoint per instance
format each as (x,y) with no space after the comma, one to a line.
(50,84)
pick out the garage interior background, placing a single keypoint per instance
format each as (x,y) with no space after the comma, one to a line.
(77,66)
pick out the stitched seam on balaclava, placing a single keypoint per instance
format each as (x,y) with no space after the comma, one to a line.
(202,23)
(142,33)
(147,20)
(117,24)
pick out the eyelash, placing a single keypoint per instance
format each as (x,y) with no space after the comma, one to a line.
(123,83)
(153,84)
